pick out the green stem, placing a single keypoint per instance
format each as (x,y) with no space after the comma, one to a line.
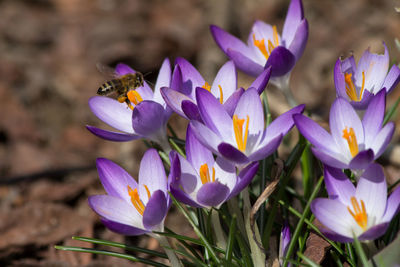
(167,248)
(233,207)
(219,233)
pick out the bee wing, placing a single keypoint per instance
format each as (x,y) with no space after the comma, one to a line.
(107,71)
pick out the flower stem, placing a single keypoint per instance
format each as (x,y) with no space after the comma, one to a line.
(283,84)
(233,207)
(167,248)
(219,233)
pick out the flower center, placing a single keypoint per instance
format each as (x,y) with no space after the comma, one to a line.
(260,44)
(351,90)
(135,199)
(134,97)
(359,214)
(350,136)
(207,86)
(205,174)
(240,136)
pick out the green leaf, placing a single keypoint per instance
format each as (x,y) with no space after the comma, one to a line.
(231,239)
(111,253)
(120,245)
(307,260)
(389,256)
(360,252)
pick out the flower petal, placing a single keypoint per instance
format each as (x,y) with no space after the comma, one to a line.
(374,232)
(205,136)
(151,172)
(334,236)
(266,148)
(392,78)
(338,185)
(227,41)
(112,136)
(362,160)
(281,60)
(338,78)
(300,40)
(156,210)
(174,100)
(333,215)
(371,188)
(212,194)
(115,179)
(392,205)
(110,111)
(116,209)
(262,80)
(163,80)
(232,153)
(226,78)
(191,78)
(148,118)
(231,103)
(123,229)
(373,117)
(122,69)
(382,139)
(329,158)
(196,153)
(191,110)
(294,16)
(244,63)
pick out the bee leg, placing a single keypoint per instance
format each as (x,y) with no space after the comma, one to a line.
(122,99)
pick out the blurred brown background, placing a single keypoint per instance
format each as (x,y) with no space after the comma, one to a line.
(48,53)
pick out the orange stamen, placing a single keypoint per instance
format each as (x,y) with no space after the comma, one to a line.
(350,136)
(207,86)
(241,139)
(260,44)
(359,214)
(134,97)
(135,199)
(205,174)
(221,94)
(351,89)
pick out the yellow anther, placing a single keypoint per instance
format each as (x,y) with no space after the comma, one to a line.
(260,44)
(221,94)
(205,174)
(350,136)
(207,86)
(135,199)
(134,97)
(240,136)
(359,214)
(148,191)
(351,89)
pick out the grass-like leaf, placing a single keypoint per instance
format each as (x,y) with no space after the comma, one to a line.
(307,260)
(360,253)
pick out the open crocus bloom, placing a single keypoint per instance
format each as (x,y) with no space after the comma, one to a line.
(358,84)
(201,181)
(131,208)
(265,47)
(353,143)
(241,138)
(224,88)
(146,118)
(363,211)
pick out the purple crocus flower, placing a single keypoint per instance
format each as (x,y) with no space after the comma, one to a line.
(183,100)
(265,47)
(284,242)
(150,113)
(353,143)
(132,208)
(363,211)
(358,84)
(201,181)
(241,138)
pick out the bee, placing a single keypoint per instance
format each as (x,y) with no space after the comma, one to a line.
(120,84)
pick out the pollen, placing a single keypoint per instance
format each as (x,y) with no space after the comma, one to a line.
(134,97)
(266,50)
(351,89)
(205,174)
(350,136)
(207,86)
(359,213)
(240,135)
(221,94)
(135,198)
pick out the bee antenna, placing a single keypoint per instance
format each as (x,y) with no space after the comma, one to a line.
(147,73)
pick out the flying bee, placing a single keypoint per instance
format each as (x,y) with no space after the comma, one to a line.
(120,84)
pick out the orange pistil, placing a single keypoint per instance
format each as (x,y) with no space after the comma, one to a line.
(135,199)
(207,86)
(359,214)
(260,44)
(241,138)
(221,94)
(350,136)
(351,90)
(134,97)
(205,174)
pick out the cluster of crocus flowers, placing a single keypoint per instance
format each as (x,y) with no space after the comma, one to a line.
(145,118)
(265,47)
(359,83)
(130,207)
(364,211)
